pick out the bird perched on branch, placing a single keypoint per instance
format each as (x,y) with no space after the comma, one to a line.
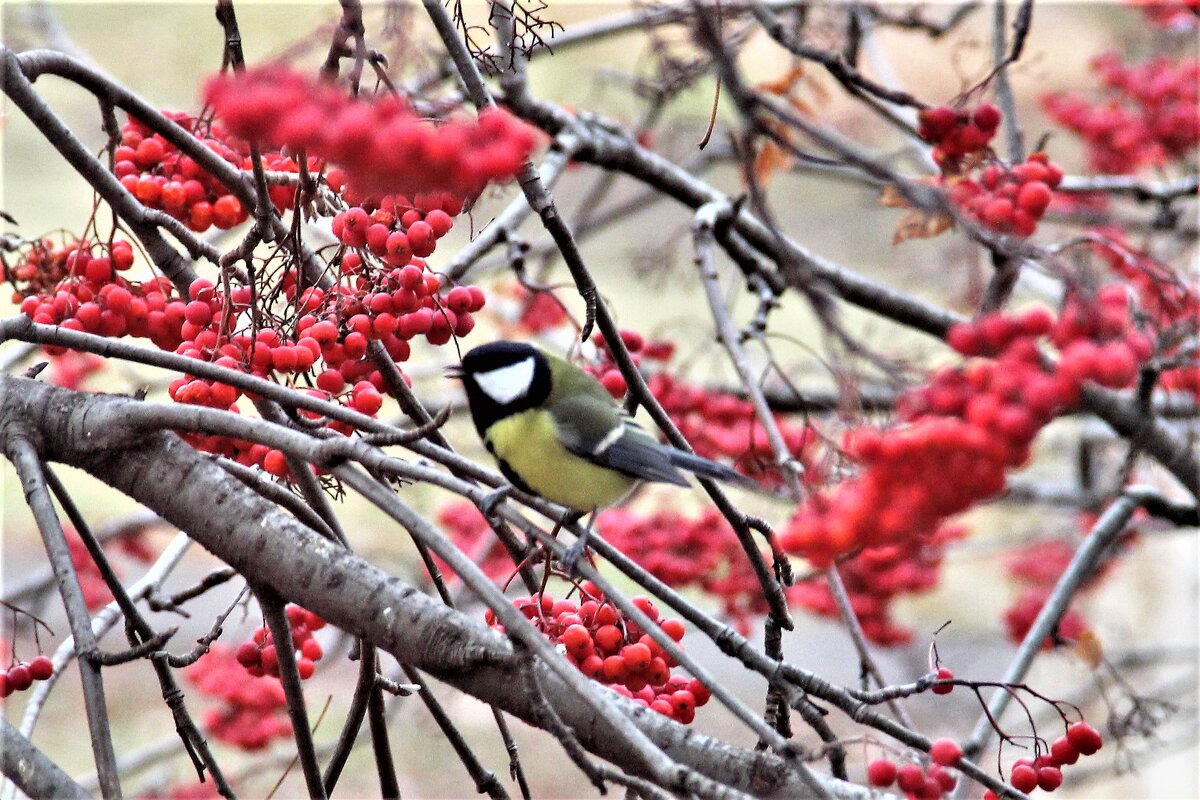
(556,432)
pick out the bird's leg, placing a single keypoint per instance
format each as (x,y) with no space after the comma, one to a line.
(493,498)
(577,549)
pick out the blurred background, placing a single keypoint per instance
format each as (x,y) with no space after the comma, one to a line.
(642,263)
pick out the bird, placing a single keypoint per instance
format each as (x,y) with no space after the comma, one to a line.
(556,432)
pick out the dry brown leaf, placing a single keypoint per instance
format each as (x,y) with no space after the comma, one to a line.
(771,158)
(892,197)
(921,225)
(782,86)
(1089,649)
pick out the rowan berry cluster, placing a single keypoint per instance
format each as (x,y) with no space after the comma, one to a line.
(72,369)
(1037,568)
(253,711)
(393,229)
(333,331)
(382,143)
(605,369)
(878,576)
(1148,114)
(463,522)
(1045,772)
(1009,200)
(913,778)
(1170,300)
(96,593)
(974,422)
(78,287)
(259,656)
(20,676)
(610,648)
(957,133)
(157,174)
(1020,616)
(539,311)
(685,552)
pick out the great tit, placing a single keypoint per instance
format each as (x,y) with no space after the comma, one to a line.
(556,432)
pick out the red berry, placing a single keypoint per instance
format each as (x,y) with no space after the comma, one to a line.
(20,678)
(248,655)
(1063,752)
(1084,738)
(270,659)
(1024,778)
(945,752)
(1049,778)
(608,637)
(987,117)
(881,772)
(945,779)
(637,656)
(910,778)
(368,401)
(699,691)
(614,383)
(275,462)
(41,668)
(944,674)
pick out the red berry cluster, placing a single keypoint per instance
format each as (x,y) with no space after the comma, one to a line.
(1037,567)
(393,229)
(539,311)
(383,145)
(1171,301)
(20,676)
(912,778)
(685,552)
(259,657)
(96,593)
(1009,200)
(77,287)
(607,647)
(462,521)
(254,710)
(72,369)
(156,173)
(973,422)
(878,576)
(1149,113)
(1045,772)
(1020,616)
(957,133)
(1177,15)
(605,370)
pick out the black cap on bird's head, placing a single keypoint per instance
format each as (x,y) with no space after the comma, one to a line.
(503,378)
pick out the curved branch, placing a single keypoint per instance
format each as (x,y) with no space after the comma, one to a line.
(269,546)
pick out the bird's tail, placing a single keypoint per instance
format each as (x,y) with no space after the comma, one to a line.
(711,469)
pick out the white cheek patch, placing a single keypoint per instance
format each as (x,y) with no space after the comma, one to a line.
(506,384)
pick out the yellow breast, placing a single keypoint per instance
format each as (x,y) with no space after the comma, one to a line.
(528,444)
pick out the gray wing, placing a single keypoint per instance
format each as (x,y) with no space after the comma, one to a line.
(606,437)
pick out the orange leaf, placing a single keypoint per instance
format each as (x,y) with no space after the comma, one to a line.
(921,225)
(1089,649)
(771,158)
(893,198)
(783,86)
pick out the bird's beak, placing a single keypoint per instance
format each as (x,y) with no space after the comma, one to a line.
(454,371)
